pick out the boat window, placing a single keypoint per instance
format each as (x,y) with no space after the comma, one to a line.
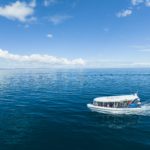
(95,103)
(116,104)
(99,103)
(111,104)
(135,101)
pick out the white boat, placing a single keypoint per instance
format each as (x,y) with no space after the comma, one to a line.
(124,104)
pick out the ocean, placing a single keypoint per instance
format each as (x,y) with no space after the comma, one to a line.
(45,109)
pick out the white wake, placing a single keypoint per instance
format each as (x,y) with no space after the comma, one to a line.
(145,110)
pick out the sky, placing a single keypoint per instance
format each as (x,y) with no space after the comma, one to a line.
(75,33)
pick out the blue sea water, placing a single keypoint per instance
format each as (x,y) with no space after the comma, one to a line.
(45,109)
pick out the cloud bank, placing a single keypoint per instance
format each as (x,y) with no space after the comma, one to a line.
(18,10)
(40,59)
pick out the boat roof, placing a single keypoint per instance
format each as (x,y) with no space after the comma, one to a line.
(121,98)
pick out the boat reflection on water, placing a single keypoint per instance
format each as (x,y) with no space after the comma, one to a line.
(118,128)
(115,121)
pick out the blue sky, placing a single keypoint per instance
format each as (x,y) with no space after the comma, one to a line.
(75,33)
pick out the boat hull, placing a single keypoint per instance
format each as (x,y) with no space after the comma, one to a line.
(108,110)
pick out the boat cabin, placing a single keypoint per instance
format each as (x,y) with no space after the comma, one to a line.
(125,101)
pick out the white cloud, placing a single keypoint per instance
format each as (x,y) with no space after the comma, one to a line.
(136,2)
(50,35)
(18,10)
(40,59)
(58,19)
(50,2)
(124,13)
